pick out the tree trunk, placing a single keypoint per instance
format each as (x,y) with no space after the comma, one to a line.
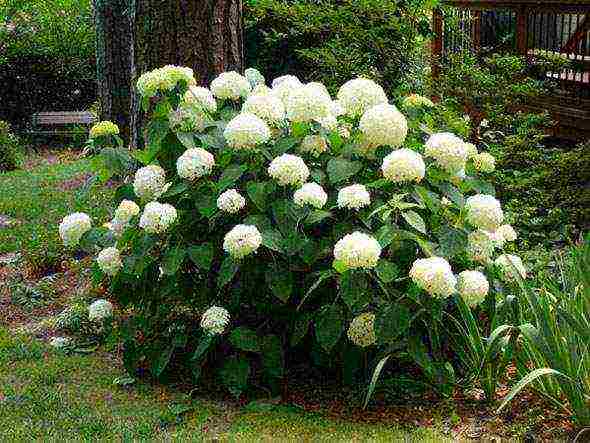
(113,61)
(205,35)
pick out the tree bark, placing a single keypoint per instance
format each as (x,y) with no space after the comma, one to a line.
(205,35)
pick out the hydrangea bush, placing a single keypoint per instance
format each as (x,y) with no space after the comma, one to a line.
(291,225)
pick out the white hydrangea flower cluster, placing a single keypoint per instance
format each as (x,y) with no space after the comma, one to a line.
(231,201)
(246,131)
(187,118)
(383,125)
(307,103)
(507,233)
(230,86)
(103,128)
(73,227)
(510,266)
(60,342)
(126,210)
(353,197)
(448,150)
(434,275)
(417,101)
(195,163)
(157,217)
(214,320)
(484,212)
(471,150)
(362,330)
(403,165)
(310,194)
(268,107)
(358,95)
(473,287)
(288,169)
(357,250)
(484,162)
(149,182)
(284,85)
(314,145)
(254,77)
(201,98)
(242,240)
(480,246)
(164,79)
(100,310)
(109,261)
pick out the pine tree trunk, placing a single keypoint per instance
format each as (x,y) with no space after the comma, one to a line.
(113,61)
(205,35)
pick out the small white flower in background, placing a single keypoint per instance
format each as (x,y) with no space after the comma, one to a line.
(484,123)
(445,201)
(230,86)
(510,266)
(268,107)
(60,342)
(100,310)
(288,169)
(149,182)
(484,162)
(246,131)
(417,101)
(448,150)
(157,217)
(242,240)
(507,233)
(283,86)
(310,194)
(314,144)
(103,128)
(231,201)
(434,275)
(473,287)
(214,320)
(73,227)
(353,197)
(362,330)
(201,97)
(109,261)
(357,250)
(195,163)
(484,212)
(254,77)
(126,210)
(480,246)
(383,125)
(403,165)
(307,103)
(163,80)
(360,94)
(471,150)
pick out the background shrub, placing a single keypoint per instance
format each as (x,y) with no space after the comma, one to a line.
(11,151)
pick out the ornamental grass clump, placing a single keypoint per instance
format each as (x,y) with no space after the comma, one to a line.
(323,228)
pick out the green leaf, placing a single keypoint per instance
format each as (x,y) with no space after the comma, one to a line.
(176,189)
(340,169)
(374,379)
(280,281)
(452,193)
(227,271)
(206,204)
(234,375)
(415,220)
(173,260)
(245,339)
(452,241)
(354,290)
(202,255)
(386,271)
(329,323)
(320,277)
(300,328)
(284,144)
(231,174)
(317,216)
(204,345)
(260,221)
(159,360)
(299,129)
(272,356)
(339,266)
(259,192)
(385,235)
(187,139)
(391,322)
(272,239)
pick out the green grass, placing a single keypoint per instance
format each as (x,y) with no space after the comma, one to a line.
(47,395)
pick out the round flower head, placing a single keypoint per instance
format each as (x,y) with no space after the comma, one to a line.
(73,227)
(215,320)
(329,122)
(246,131)
(510,266)
(417,101)
(242,240)
(268,107)
(357,250)
(434,275)
(126,210)
(104,128)
(484,212)
(471,150)
(507,233)
(200,97)
(448,150)
(337,108)
(109,261)
(163,80)
(195,163)
(284,79)
(288,169)
(60,342)
(283,86)
(314,145)
(231,201)
(100,310)
(383,125)
(353,197)
(403,165)
(307,103)
(480,246)
(254,77)
(484,162)
(310,194)
(149,182)
(157,217)
(262,90)
(230,86)
(473,286)
(362,330)
(360,94)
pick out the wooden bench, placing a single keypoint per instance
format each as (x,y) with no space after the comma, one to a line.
(60,119)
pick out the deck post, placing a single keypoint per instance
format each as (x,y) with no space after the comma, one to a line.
(521,30)
(437,44)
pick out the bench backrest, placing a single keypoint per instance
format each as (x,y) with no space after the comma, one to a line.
(63,118)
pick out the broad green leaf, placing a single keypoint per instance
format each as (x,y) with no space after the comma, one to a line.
(203,346)
(300,328)
(317,216)
(415,220)
(374,379)
(385,235)
(202,255)
(329,323)
(320,277)
(340,169)
(272,239)
(354,290)
(280,281)
(187,139)
(173,260)
(299,129)
(452,193)
(260,221)
(231,174)
(234,375)
(386,270)
(245,339)
(391,322)
(481,186)
(159,359)
(259,192)
(206,204)
(284,144)
(429,198)
(452,241)
(227,271)
(176,189)
(272,356)
(339,266)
